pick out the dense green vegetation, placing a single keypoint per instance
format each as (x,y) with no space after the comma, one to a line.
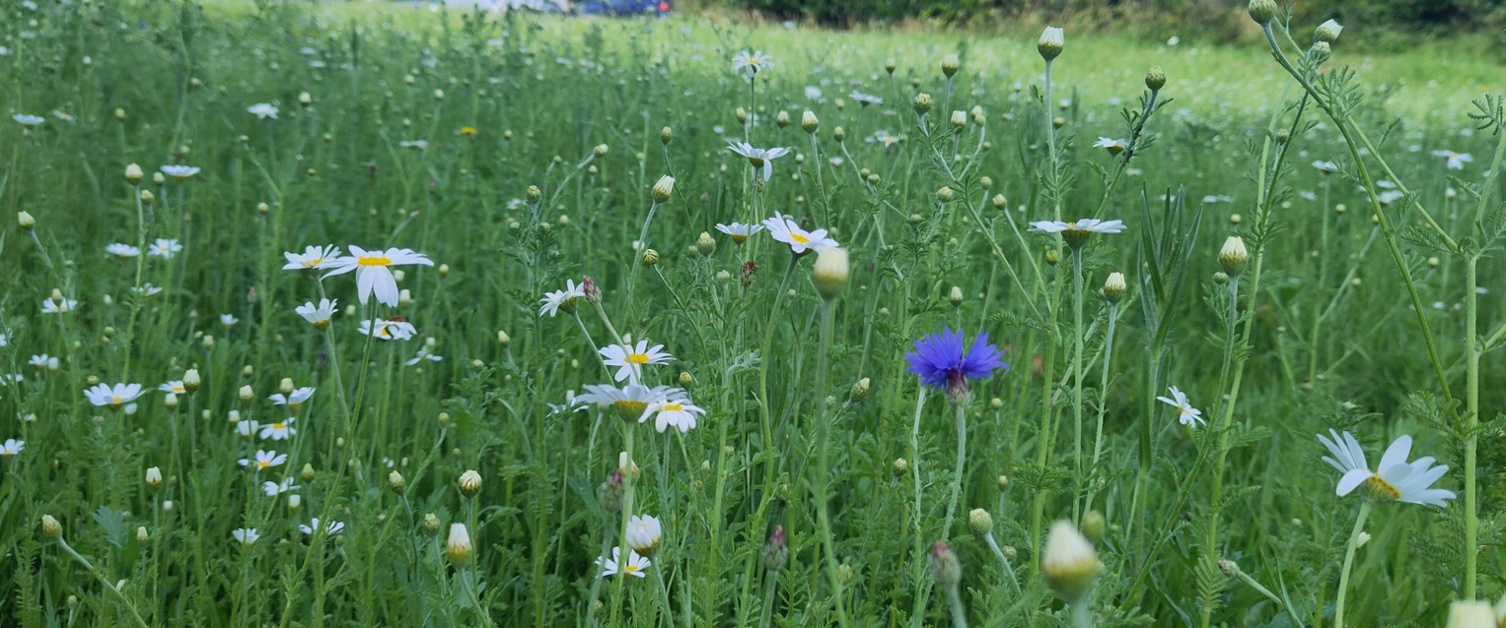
(454,478)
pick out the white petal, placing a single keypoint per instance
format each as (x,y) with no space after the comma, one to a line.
(1396,454)
(1352,480)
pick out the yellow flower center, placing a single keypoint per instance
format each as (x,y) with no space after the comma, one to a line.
(674,407)
(279,426)
(373,260)
(799,239)
(1380,490)
(312,263)
(631,568)
(630,410)
(637,358)
(261,464)
(178,389)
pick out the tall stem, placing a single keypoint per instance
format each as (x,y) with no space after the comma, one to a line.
(624,552)
(1471,425)
(960,421)
(1354,541)
(1077,370)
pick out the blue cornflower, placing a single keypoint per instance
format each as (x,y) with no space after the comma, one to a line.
(942,363)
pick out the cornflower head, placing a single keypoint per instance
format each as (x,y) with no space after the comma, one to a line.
(944,364)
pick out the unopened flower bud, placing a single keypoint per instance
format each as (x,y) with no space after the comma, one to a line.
(958,119)
(133,173)
(901,466)
(170,401)
(1155,79)
(955,297)
(945,194)
(809,122)
(246,395)
(664,187)
(889,66)
(142,538)
(922,103)
(741,115)
(600,151)
(1093,525)
(650,257)
(776,552)
(307,472)
(1070,564)
(153,478)
(396,482)
(838,134)
(458,546)
(1262,11)
(782,119)
(1050,44)
(666,135)
(147,198)
(1233,257)
(859,391)
(1114,287)
(191,380)
(26,221)
(705,245)
(980,521)
(469,483)
(431,524)
(830,272)
(610,492)
(533,194)
(944,565)
(51,528)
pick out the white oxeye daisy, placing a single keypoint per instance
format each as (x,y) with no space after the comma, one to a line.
(414,144)
(174,387)
(883,137)
(28,120)
(1389,196)
(1076,232)
(164,248)
(783,229)
(40,360)
(330,527)
(246,429)
(1326,167)
(293,399)
(761,158)
(1114,146)
(636,563)
(313,258)
(1186,414)
(565,299)
(1394,479)
(424,354)
(273,489)
(11,447)
(629,401)
(146,290)
(1456,161)
(229,320)
(179,172)
(318,315)
(264,459)
(644,534)
(246,536)
(679,413)
(812,92)
(55,307)
(751,63)
(374,272)
(278,431)
(263,110)
(865,99)
(630,359)
(62,115)
(122,250)
(113,397)
(388,329)
(739,231)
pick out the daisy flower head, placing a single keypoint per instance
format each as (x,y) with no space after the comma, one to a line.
(174,387)
(1076,232)
(865,99)
(883,137)
(945,364)
(784,229)
(28,120)
(374,271)
(146,290)
(644,534)
(739,231)
(312,258)
(1114,146)
(424,353)
(122,250)
(245,536)
(113,397)
(164,248)
(678,413)
(11,447)
(264,459)
(1456,161)
(293,399)
(1186,414)
(751,63)
(178,172)
(278,431)
(318,315)
(263,110)
(273,489)
(635,565)
(1326,167)
(565,299)
(761,158)
(630,401)
(61,306)
(229,320)
(1394,479)
(330,527)
(62,115)
(388,329)
(414,144)
(41,361)
(629,359)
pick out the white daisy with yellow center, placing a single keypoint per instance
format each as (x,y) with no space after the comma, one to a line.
(1186,414)
(678,413)
(312,258)
(264,460)
(632,401)
(751,63)
(784,229)
(629,359)
(1394,479)
(635,565)
(113,397)
(374,271)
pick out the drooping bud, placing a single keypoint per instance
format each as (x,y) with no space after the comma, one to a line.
(1050,44)
(1233,257)
(830,272)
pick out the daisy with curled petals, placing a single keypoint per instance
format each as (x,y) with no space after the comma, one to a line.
(114,397)
(425,352)
(1394,479)
(174,387)
(1076,232)
(388,329)
(278,431)
(1186,414)
(784,229)
(11,447)
(761,158)
(1114,146)
(679,413)
(245,536)
(122,250)
(629,360)
(1456,161)
(264,459)
(293,399)
(630,401)
(273,489)
(164,248)
(635,565)
(330,527)
(565,299)
(739,231)
(318,315)
(374,271)
(58,307)
(313,258)
(179,172)
(751,63)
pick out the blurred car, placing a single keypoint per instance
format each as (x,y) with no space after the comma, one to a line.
(623,7)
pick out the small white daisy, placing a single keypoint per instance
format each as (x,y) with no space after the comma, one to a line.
(636,563)
(761,158)
(629,360)
(783,229)
(312,258)
(263,110)
(1186,414)
(318,315)
(164,248)
(388,329)
(246,536)
(113,397)
(739,231)
(28,120)
(751,63)
(565,299)
(678,413)
(179,172)
(264,459)
(373,271)
(122,250)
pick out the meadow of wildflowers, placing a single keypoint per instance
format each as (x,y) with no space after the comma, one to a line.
(411,318)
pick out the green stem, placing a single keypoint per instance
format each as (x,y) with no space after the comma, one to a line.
(1354,541)
(1077,371)
(819,482)
(101,577)
(624,552)
(959,612)
(1471,426)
